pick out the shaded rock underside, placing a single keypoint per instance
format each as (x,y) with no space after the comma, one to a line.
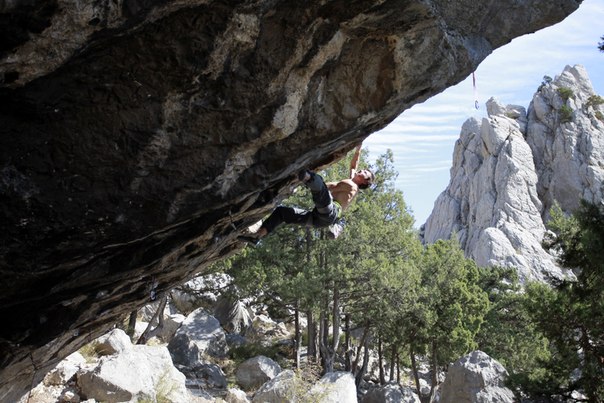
(139,138)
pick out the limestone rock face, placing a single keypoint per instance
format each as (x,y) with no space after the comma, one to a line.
(510,168)
(476,378)
(568,151)
(139,138)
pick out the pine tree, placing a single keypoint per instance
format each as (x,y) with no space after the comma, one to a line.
(508,333)
(571,315)
(449,310)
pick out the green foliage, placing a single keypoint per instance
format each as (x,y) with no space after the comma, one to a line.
(90,351)
(571,315)
(451,304)
(250,350)
(566,93)
(428,299)
(164,387)
(508,333)
(301,384)
(566,114)
(594,100)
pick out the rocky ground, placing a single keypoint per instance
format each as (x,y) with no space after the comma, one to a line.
(192,358)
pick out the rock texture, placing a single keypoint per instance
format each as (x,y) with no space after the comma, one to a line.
(390,393)
(510,168)
(139,138)
(279,389)
(476,378)
(137,373)
(198,337)
(256,371)
(334,387)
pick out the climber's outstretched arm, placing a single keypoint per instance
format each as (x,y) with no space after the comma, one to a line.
(354,163)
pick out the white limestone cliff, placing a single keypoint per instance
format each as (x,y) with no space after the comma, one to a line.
(509,169)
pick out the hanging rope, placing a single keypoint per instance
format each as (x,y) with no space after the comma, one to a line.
(475,91)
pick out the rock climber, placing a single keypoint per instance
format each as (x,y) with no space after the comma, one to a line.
(330,200)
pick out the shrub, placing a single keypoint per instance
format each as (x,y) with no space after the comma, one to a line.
(566,93)
(594,101)
(164,387)
(90,351)
(566,114)
(304,380)
(250,350)
(600,116)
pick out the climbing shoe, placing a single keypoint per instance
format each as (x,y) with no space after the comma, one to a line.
(304,176)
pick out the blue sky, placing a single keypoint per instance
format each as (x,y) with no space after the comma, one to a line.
(423,137)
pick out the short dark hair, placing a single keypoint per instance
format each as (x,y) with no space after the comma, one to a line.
(369,182)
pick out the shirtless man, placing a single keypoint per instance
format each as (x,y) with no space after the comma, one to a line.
(330,200)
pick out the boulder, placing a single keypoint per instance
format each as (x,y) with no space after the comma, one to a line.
(476,378)
(257,370)
(236,396)
(65,370)
(139,373)
(390,393)
(68,396)
(114,342)
(199,335)
(280,389)
(234,316)
(204,376)
(265,330)
(335,387)
(200,292)
(172,323)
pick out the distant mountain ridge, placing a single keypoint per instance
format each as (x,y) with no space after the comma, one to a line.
(509,169)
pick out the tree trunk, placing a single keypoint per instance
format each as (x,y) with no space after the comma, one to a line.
(311,353)
(355,363)
(434,375)
(348,354)
(398,368)
(361,373)
(297,335)
(415,374)
(131,324)
(392,361)
(311,350)
(336,322)
(326,358)
(381,362)
(159,316)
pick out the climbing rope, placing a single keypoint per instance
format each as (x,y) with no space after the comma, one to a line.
(475,91)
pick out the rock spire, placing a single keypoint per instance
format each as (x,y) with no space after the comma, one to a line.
(509,169)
